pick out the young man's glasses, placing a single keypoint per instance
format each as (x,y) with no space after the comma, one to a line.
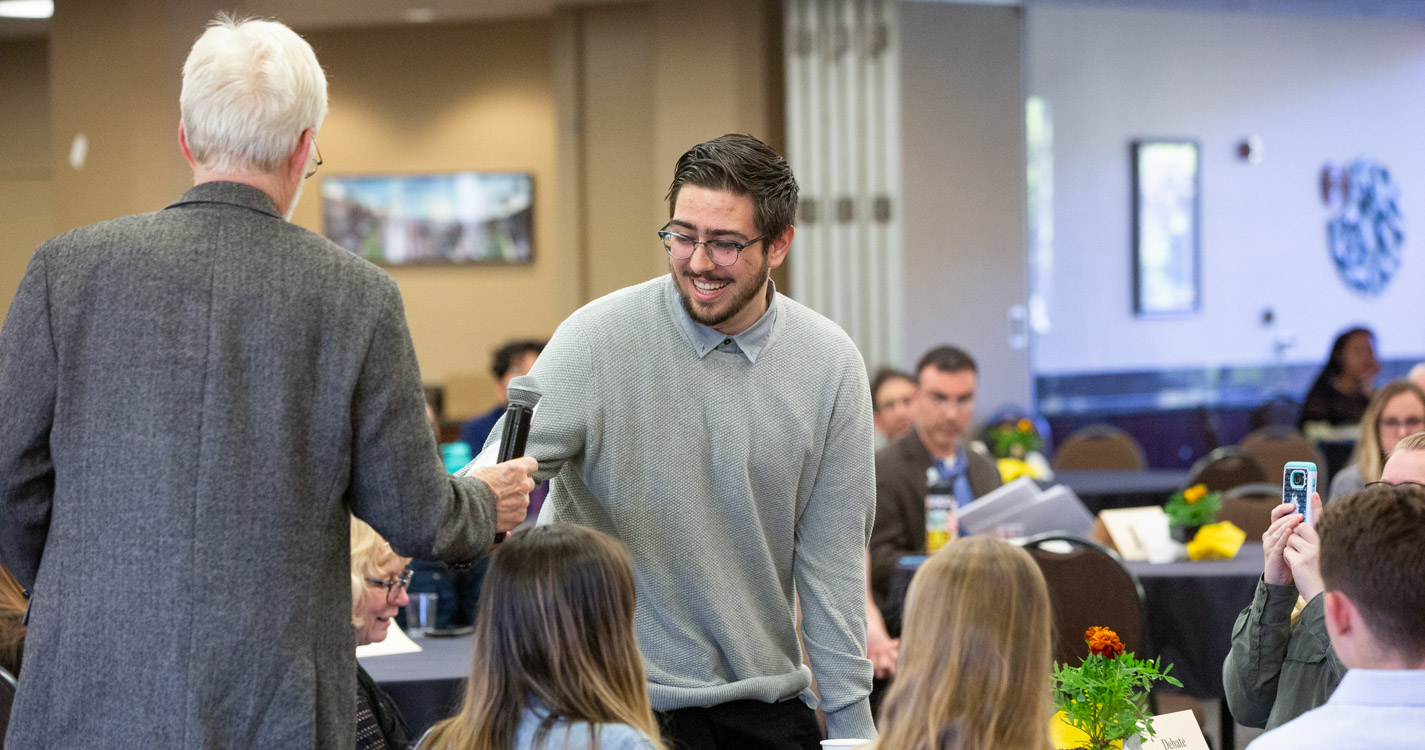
(721,252)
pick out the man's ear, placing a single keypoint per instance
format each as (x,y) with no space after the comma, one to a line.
(297,160)
(1340,612)
(777,249)
(183,146)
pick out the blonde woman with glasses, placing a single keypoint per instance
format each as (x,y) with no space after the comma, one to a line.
(378,591)
(556,664)
(975,656)
(1394,411)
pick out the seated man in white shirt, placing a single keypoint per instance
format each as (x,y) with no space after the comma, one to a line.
(1374,577)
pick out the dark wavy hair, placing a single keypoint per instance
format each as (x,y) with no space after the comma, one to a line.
(746,166)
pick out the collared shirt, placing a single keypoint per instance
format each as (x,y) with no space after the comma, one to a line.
(1378,709)
(748,343)
(957,471)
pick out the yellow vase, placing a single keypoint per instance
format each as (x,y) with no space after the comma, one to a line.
(1067,737)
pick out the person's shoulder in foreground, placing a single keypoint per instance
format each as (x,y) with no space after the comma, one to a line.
(1377,709)
(576,735)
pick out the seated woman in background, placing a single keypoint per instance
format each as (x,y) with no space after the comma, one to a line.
(556,663)
(975,656)
(378,591)
(1340,393)
(1281,664)
(1397,410)
(12,631)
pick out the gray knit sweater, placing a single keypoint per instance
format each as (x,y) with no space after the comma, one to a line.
(737,487)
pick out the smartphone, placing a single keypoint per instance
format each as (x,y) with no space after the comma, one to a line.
(1298,485)
(514,438)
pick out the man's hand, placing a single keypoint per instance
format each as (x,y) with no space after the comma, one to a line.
(882,649)
(1301,553)
(511,483)
(1274,543)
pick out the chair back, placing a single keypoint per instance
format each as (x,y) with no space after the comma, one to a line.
(1088,586)
(1280,410)
(7,701)
(1273,446)
(1249,506)
(1225,468)
(1099,447)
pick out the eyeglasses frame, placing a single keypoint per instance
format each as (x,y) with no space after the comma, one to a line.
(666,235)
(392,587)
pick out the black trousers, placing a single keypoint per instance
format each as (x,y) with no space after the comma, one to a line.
(742,725)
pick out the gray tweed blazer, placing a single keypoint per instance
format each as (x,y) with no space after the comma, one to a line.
(191,401)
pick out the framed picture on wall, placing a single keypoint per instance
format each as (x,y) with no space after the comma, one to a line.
(1167,188)
(462,217)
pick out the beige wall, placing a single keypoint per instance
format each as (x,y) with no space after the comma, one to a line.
(596,102)
(26,215)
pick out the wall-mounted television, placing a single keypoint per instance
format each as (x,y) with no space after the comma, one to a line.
(461,217)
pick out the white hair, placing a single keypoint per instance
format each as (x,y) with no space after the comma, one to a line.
(1417,374)
(249,90)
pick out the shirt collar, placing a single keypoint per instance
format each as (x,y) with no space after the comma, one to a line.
(1381,687)
(703,339)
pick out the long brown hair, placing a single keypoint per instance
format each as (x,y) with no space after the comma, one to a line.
(975,654)
(554,629)
(12,613)
(1370,455)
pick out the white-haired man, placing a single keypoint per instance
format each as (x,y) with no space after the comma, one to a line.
(195,402)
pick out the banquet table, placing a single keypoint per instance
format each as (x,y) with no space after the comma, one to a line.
(1101,490)
(426,686)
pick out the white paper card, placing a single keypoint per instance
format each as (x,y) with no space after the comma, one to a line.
(397,642)
(1175,731)
(1126,528)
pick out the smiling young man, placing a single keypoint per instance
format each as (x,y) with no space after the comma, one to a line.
(723,433)
(944,405)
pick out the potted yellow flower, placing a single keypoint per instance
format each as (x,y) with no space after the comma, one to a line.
(1190,510)
(1104,700)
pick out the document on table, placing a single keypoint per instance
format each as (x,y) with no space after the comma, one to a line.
(397,642)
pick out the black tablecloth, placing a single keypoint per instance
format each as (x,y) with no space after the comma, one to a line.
(1191,609)
(426,686)
(1100,490)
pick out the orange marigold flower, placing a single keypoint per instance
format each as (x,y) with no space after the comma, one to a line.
(1195,493)
(1025,425)
(1103,642)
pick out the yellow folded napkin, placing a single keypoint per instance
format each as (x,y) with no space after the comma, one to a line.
(1216,540)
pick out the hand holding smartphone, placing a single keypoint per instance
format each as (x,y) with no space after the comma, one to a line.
(1298,485)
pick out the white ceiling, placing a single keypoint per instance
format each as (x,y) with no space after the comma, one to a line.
(322,14)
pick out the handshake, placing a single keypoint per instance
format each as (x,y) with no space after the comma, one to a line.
(511,482)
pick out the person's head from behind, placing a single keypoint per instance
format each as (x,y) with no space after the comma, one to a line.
(378,583)
(731,207)
(1406,462)
(553,632)
(975,655)
(892,402)
(1353,357)
(1374,574)
(512,360)
(1394,411)
(945,402)
(253,99)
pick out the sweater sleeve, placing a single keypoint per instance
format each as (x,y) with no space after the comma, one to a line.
(28,378)
(829,566)
(566,375)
